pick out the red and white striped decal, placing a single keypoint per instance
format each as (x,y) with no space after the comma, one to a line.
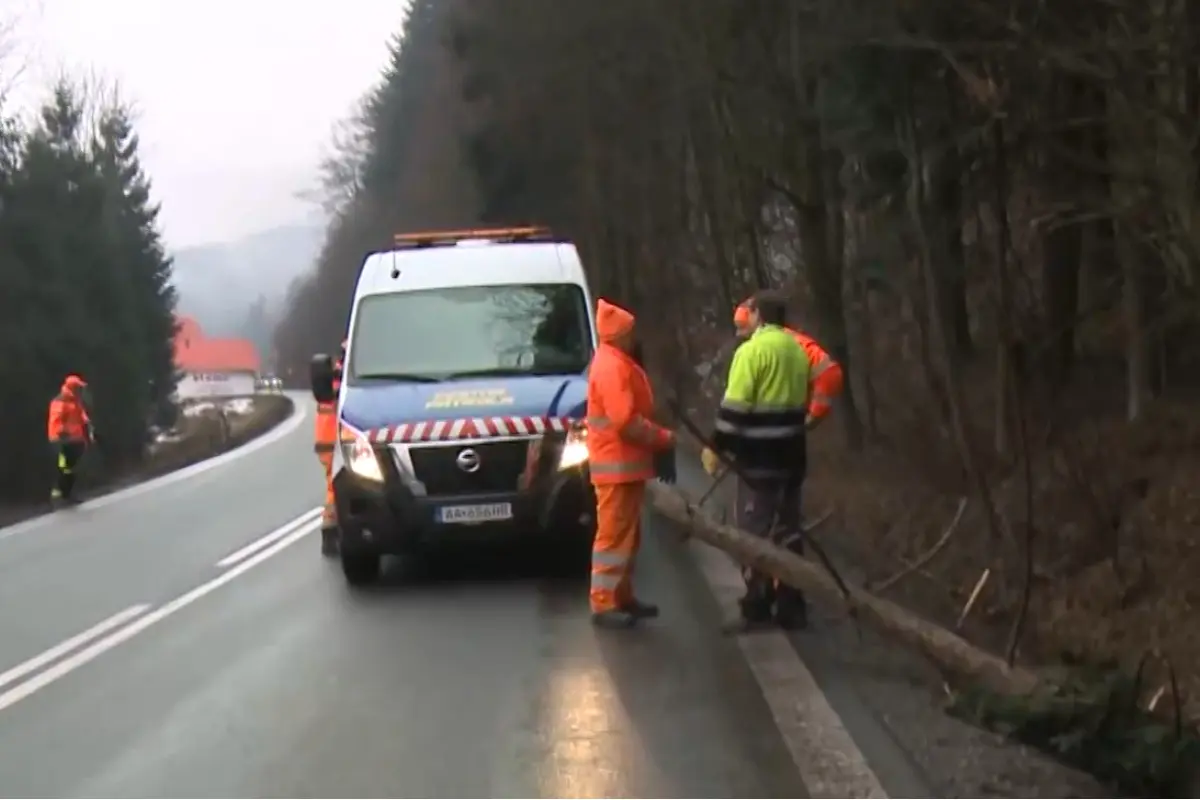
(448,430)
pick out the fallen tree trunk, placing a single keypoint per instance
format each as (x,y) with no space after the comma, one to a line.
(949,651)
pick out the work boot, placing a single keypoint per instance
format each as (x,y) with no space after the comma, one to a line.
(640,610)
(329,542)
(753,616)
(59,500)
(615,619)
(791,612)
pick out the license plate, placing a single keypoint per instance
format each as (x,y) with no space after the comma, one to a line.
(465,515)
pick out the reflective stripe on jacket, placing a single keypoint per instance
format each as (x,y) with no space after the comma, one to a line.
(761,418)
(325,429)
(824,375)
(68,419)
(621,439)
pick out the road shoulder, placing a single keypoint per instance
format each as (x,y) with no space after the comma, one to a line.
(863,717)
(832,761)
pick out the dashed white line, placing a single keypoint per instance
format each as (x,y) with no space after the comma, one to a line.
(60,650)
(73,662)
(270,538)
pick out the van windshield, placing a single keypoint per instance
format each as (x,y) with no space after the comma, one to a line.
(468,331)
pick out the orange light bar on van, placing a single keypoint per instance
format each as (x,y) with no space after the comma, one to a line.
(449,237)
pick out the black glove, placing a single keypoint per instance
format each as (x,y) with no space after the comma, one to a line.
(664,466)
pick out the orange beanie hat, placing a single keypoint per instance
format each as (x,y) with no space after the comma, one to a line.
(612,321)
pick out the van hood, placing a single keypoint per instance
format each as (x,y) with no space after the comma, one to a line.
(368,408)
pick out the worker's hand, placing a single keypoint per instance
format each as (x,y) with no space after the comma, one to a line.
(811,422)
(664,466)
(710,461)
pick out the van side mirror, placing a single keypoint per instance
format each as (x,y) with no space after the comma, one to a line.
(320,371)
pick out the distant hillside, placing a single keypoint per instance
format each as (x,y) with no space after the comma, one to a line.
(236,289)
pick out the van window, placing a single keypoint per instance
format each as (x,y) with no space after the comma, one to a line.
(462,331)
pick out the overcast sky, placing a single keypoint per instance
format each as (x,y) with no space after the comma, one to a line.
(236,97)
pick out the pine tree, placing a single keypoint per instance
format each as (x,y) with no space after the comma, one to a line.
(84,288)
(133,219)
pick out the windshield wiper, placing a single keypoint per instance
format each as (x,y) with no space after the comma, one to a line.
(409,377)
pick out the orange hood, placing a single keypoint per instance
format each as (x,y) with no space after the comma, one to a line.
(612,321)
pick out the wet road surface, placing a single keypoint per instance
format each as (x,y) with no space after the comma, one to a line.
(230,671)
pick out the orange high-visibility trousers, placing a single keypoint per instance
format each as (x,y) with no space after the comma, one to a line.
(329,510)
(618,537)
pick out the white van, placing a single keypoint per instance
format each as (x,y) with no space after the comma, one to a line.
(462,396)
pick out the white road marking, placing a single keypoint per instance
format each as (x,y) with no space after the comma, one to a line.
(825,754)
(284,429)
(61,649)
(122,635)
(273,536)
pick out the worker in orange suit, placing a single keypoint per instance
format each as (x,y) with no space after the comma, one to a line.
(625,449)
(825,377)
(325,440)
(69,429)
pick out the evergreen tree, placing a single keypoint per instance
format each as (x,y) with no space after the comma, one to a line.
(133,220)
(84,288)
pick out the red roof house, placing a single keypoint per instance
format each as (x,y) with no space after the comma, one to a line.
(196,353)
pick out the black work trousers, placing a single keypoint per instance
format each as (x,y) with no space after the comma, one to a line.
(771,509)
(69,454)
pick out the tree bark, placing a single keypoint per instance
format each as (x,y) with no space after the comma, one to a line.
(946,649)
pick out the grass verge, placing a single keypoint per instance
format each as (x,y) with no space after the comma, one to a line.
(209,434)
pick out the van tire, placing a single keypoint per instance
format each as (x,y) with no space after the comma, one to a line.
(361,569)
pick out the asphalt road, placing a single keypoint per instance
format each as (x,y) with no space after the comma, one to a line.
(230,671)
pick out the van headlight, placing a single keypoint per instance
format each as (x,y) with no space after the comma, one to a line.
(574,449)
(360,455)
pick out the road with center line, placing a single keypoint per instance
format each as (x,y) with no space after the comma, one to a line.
(186,639)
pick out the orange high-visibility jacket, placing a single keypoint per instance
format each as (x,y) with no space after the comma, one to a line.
(325,430)
(824,375)
(622,440)
(825,378)
(68,419)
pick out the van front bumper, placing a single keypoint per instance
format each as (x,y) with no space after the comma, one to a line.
(388,517)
